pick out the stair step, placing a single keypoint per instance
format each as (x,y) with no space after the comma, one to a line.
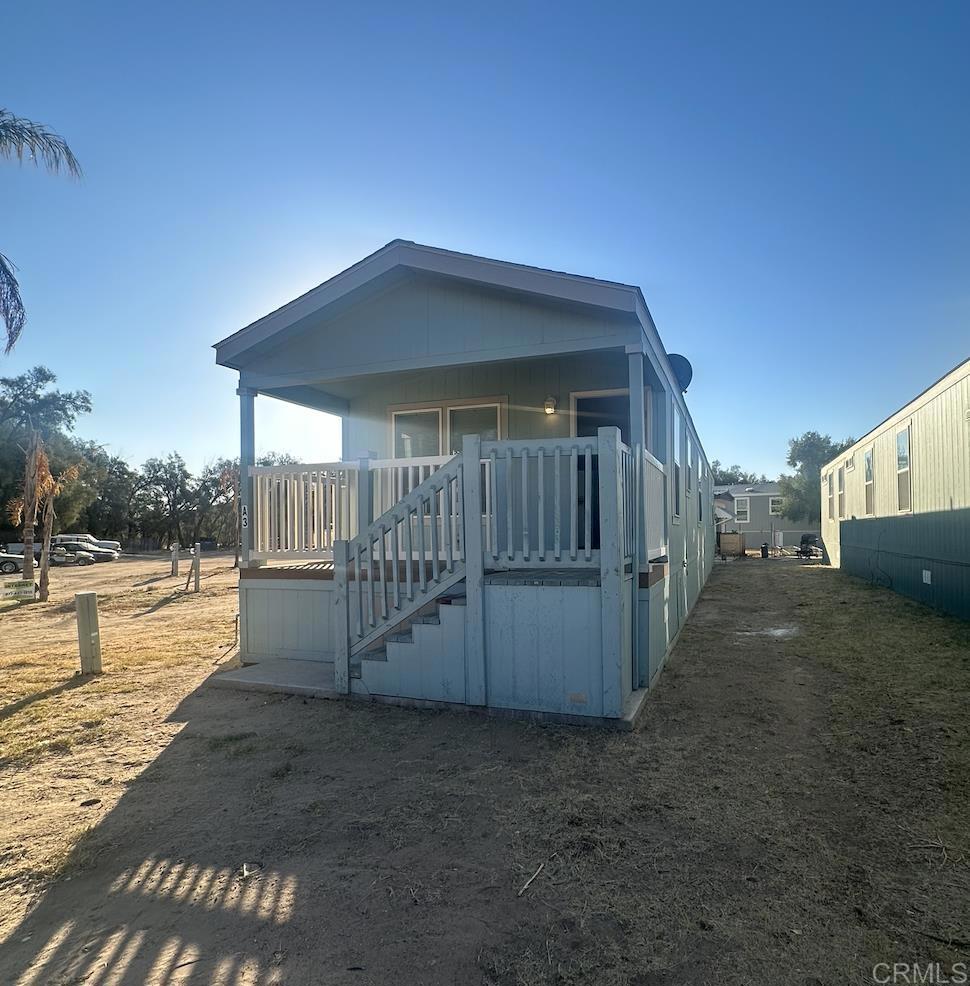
(400,638)
(427,620)
(378,654)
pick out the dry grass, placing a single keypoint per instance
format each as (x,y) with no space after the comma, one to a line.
(792,808)
(148,623)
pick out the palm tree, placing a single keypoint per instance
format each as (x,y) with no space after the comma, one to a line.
(24,139)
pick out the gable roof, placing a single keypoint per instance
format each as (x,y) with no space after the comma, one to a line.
(575,288)
(748,489)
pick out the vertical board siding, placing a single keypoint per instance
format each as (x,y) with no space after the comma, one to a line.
(894,548)
(291,619)
(544,648)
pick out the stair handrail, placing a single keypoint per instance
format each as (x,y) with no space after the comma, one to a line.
(439,551)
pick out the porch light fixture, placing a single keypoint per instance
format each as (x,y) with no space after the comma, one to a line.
(550,405)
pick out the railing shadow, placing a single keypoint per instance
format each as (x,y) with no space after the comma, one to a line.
(195,908)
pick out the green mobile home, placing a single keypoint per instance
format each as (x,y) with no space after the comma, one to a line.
(896,505)
(522,517)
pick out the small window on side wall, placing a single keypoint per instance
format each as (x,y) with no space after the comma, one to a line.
(904,486)
(870,484)
(775,504)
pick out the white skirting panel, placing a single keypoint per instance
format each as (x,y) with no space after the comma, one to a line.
(286,618)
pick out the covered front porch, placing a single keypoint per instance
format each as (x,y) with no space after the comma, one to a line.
(497,528)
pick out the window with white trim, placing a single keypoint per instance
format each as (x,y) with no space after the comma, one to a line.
(870,482)
(904,486)
(841,478)
(775,504)
(472,419)
(742,509)
(417,433)
(850,463)
(690,466)
(830,489)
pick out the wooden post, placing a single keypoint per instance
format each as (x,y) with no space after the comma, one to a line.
(365,493)
(247,458)
(88,633)
(611,570)
(198,566)
(341,623)
(470,496)
(175,559)
(638,442)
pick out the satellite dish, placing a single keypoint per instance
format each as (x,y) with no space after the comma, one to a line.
(683,371)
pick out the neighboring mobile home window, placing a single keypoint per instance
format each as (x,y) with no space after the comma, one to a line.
(831,495)
(841,474)
(870,490)
(417,433)
(690,466)
(904,490)
(774,506)
(742,509)
(701,492)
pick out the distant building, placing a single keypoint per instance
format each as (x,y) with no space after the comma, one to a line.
(755,512)
(896,505)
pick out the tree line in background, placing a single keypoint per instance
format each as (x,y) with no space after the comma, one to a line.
(157,503)
(801,491)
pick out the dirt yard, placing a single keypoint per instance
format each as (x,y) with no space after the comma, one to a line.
(794,809)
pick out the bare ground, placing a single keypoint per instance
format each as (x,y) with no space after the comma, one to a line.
(794,808)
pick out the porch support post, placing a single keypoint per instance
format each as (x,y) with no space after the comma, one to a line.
(341,622)
(471,478)
(247,458)
(638,442)
(611,570)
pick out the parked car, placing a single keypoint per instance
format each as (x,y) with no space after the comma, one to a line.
(61,556)
(17,548)
(10,563)
(99,554)
(78,538)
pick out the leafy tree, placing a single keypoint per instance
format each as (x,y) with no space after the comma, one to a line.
(27,401)
(801,491)
(167,489)
(24,139)
(732,475)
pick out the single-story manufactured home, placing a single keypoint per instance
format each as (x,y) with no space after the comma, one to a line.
(523,514)
(896,504)
(755,510)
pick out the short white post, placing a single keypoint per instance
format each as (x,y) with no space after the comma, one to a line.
(175,559)
(88,633)
(198,565)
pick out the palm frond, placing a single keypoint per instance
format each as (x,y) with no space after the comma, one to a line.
(15,510)
(24,139)
(11,306)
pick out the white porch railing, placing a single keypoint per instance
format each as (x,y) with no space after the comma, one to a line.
(404,558)
(539,502)
(654,491)
(393,479)
(300,511)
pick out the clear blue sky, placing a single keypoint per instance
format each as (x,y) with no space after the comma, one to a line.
(790,188)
